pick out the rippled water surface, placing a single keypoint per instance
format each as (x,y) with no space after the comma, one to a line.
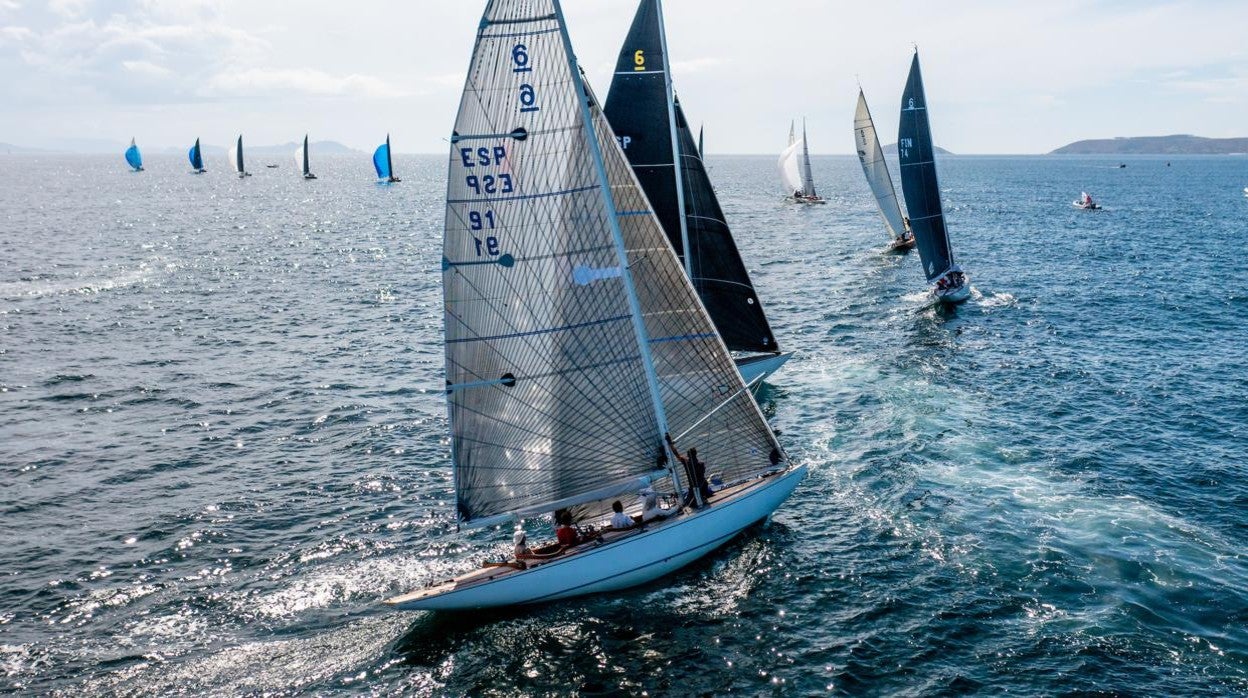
(222,443)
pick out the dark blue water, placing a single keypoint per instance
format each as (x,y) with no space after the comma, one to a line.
(222,443)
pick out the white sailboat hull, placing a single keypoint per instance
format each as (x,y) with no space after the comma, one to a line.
(954,295)
(760,367)
(636,559)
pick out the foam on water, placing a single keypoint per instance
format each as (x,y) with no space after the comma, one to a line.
(224,441)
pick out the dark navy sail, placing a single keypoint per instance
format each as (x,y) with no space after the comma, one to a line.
(918,178)
(647,124)
(637,109)
(715,265)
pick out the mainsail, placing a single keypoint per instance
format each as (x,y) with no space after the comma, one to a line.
(652,128)
(918,178)
(133,157)
(236,156)
(808,178)
(196,157)
(874,166)
(574,340)
(382,162)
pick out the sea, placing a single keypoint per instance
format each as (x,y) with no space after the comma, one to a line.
(223,441)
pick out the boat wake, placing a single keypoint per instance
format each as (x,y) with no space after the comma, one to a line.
(38,287)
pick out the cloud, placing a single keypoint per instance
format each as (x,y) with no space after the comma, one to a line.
(145,68)
(261,81)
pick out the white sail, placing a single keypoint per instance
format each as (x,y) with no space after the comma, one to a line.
(574,338)
(236,155)
(871,155)
(790,167)
(301,157)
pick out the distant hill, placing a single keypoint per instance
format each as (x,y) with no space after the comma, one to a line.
(84,146)
(1182,144)
(891,149)
(10,149)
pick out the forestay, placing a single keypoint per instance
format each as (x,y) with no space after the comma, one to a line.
(875,167)
(651,128)
(918,178)
(573,337)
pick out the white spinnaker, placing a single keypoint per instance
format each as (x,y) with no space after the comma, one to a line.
(301,159)
(236,155)
(874,166)
(548,390)
(790,167)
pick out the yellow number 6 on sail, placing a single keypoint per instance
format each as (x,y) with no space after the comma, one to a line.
(639,59)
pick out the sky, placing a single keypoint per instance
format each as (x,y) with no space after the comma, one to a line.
(1001,76)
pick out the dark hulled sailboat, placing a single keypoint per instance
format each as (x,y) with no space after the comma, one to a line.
(915,151)
(652,129)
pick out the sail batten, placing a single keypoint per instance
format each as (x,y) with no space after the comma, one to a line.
(875,167)
(919,184)
(558,392)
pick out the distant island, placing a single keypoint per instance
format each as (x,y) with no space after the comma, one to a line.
(92,147)
(1181,144)
(891,149)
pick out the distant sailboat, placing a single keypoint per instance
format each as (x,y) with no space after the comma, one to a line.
(1086,203)
(652,130)
(197,158)
(236,158)
(915,150)
(301,159)
(701,152)
(562,397)
(133,157)
(795,170)
(875,167)
(383,163)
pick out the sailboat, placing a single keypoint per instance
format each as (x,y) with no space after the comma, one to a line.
(197,158)
(383,163)
(133,157)
(651,125)
(301,159)
(795,169)
(562,391)
(875,167)
(1085,203)
(236,158)
(915,151)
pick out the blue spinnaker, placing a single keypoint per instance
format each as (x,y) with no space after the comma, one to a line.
(381,161)
(133,158)
(195,156)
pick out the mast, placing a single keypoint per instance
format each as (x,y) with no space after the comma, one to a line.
(668,93)
(617,235)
